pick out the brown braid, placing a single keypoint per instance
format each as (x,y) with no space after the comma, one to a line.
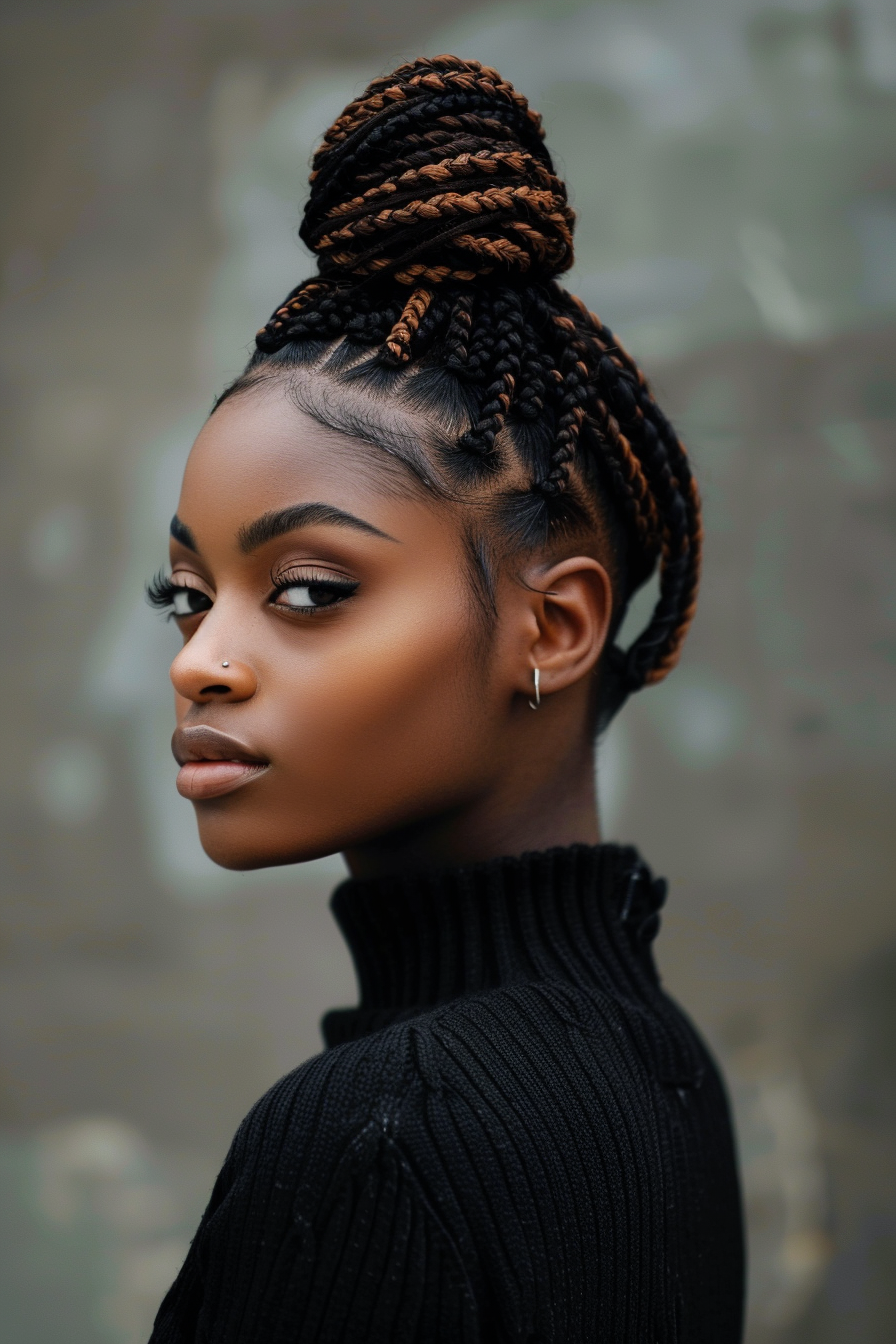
(440,227)
(398,342)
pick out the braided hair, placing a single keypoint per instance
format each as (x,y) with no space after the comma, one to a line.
(440,227)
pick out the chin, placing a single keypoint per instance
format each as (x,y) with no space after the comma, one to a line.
(242,856)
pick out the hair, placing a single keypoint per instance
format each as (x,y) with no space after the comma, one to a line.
(440,226)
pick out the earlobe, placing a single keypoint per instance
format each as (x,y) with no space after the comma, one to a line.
(572,604)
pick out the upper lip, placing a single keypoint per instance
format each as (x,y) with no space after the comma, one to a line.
(202,743)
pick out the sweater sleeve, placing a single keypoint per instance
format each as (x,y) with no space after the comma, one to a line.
(343,1249)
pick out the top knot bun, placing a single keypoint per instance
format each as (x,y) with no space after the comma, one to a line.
(438,173)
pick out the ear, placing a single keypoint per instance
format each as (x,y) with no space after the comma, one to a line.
(569,609)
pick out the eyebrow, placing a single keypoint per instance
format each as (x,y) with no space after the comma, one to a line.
(281,521)
(180,532)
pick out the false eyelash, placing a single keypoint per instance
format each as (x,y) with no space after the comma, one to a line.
(301,575)
(160,591)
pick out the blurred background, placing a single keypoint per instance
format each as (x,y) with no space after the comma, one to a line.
(733,163)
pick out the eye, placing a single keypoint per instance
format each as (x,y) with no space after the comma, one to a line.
(180,600)
(309,593)
(188,601)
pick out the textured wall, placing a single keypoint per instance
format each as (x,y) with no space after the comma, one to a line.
(734,170)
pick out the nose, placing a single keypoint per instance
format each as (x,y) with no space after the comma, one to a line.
(200,674)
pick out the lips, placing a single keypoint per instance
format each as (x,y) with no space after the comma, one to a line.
(212,763)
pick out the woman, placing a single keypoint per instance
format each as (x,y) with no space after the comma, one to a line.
(405,542)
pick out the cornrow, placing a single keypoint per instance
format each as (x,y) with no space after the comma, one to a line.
(440,227)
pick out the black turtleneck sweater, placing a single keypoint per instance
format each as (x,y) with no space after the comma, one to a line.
(515,1137)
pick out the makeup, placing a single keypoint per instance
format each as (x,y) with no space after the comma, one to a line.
(212,763)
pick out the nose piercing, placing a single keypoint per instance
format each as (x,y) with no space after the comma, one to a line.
(225,663)
(536,674)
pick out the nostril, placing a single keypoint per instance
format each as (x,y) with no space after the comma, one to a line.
(215,690)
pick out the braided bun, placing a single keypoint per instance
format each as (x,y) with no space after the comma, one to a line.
(437,173)
(440,227)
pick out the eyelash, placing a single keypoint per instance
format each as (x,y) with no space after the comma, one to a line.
(161,590)
(310,578)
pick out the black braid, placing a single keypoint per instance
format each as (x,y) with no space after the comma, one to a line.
(482,338)
(573,395)
(457,337)
(530,404)
(504,360)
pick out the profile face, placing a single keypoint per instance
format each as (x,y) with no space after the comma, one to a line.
(335,684)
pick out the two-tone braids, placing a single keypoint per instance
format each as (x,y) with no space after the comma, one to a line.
(417,151)
(366,233)
(688,561)
(464,134)
(442,74)
(657,650)
(394,130)
(398,342)
(368,243)
(434,320)
(440,227)
(284,321)
(662,465)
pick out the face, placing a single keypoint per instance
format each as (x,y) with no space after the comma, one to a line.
(333,686)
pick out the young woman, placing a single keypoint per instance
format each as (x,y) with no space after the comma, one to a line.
(405,542)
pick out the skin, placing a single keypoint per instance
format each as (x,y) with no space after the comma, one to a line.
(388,725)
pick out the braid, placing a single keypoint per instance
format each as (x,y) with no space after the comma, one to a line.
(440,227)
(573,391)
(398,342)
(392,130)
(457,337)
(530,403)
(505,366)
(442,74)
(482,337)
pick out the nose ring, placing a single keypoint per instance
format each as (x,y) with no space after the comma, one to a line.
(225,663)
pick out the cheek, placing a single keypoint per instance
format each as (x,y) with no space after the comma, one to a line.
(393,705)
(370,723)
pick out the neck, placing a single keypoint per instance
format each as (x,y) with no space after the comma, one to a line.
(583,916)
(527,808)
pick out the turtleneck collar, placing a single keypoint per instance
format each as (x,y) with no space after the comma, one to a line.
(585,915)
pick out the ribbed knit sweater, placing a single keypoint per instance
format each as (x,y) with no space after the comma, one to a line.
(516,1136)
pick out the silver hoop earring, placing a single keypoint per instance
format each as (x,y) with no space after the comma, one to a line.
(534,704)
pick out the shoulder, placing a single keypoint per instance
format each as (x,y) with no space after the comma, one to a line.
(318,1223)
(361,1107)
(527,1063)
(550,1043)
(299,1159)
(308,1117)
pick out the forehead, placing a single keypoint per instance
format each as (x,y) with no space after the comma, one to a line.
(260,450)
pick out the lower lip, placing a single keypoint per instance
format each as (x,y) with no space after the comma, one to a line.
(210,779)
